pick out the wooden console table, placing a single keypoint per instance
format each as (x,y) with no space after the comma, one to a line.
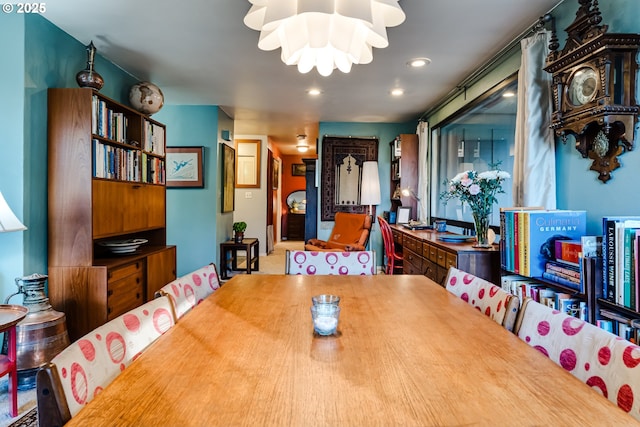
(250,246)
(424,254)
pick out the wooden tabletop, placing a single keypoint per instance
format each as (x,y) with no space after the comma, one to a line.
(407,353)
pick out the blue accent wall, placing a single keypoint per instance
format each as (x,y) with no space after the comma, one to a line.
(192,212)
(12,154)
(577,186)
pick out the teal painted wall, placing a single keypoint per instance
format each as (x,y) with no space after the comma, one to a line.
(192,212)
(577,186)
(385,132)
(12,148)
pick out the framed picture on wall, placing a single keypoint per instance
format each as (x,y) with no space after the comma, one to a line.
(275,169)
(185,167)
(228,178)
(298,169)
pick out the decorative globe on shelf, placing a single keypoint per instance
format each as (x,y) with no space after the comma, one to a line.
(146,98)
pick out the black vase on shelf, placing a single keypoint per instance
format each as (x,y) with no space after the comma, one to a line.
(89,77)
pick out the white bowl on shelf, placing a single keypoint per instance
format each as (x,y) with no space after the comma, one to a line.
(120,247)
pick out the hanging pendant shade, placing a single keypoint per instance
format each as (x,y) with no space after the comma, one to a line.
(326,34)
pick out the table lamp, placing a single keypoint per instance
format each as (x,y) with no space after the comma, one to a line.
(408,192)
(8,220)
(370,188)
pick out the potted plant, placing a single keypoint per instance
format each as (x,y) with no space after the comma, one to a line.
(238,228)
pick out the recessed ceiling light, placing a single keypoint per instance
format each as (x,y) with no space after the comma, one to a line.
(314,92)
(397,92)
(419,62)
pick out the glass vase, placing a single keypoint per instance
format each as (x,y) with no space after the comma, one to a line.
(481,222)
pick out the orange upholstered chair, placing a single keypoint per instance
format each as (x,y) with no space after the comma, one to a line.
(350,233)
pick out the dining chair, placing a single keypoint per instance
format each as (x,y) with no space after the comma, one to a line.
(82,370)
(189,290)
(393,257)
(308,263)
(605,362)
(350,233)
(490,299)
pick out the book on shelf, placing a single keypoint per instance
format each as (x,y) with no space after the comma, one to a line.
(568,282)
(568,251)
(619,247)
(534,237)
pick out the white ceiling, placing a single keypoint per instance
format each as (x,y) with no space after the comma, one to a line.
(200,52)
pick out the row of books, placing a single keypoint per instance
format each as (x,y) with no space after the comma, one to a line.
(153,170)
(107,123)
(153,138)
(524,287)
(620,263)
(530,236)
(115,163)
(622,326)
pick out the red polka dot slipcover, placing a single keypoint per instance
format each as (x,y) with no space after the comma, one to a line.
(331,263)
(91,363)
(491,300)
(603,361)
(189,290)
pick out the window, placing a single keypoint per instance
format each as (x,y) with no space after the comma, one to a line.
(477,138)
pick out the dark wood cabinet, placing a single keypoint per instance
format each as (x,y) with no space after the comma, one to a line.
(295,226)
(424,254)
(105,182)
(404,172)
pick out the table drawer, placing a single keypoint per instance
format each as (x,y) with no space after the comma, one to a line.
(412,244)
(124,271)
(124,295)
(433,253)
(430,269)
(451,260)
(397,237)
(411,263)
(441,258)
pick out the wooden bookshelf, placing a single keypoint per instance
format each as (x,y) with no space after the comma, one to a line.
(101,189)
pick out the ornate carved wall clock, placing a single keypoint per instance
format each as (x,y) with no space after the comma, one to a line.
(594,87)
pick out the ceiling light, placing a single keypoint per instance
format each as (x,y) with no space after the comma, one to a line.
(419,62)
(508,94)
(397,92)
(314,92)
(302,146)
(325,34)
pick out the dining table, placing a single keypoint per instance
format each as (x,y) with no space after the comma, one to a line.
(406,353)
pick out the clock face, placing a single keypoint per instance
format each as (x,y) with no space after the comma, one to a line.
(583,85)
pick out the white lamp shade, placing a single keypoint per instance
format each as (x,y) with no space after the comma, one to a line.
(325,34)
(370,188)
(8,220)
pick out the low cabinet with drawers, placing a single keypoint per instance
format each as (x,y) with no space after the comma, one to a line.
(423,253)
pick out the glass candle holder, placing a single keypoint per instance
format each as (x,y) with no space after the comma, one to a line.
(325,318)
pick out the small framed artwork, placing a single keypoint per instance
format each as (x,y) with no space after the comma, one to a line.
(298,169)
(404,213)
(247,163)
(275,169)
(228,178)
(185,167)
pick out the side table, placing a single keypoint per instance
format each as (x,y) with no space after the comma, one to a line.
(10,315)
(250,246)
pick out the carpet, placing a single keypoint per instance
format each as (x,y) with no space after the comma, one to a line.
(30,419)
(26,405)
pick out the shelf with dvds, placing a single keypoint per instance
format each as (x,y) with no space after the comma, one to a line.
(404,171)
(106,188)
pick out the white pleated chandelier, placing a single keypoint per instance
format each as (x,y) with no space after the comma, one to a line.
(325,34)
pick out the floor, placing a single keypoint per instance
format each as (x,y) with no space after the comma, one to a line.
(26,402)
